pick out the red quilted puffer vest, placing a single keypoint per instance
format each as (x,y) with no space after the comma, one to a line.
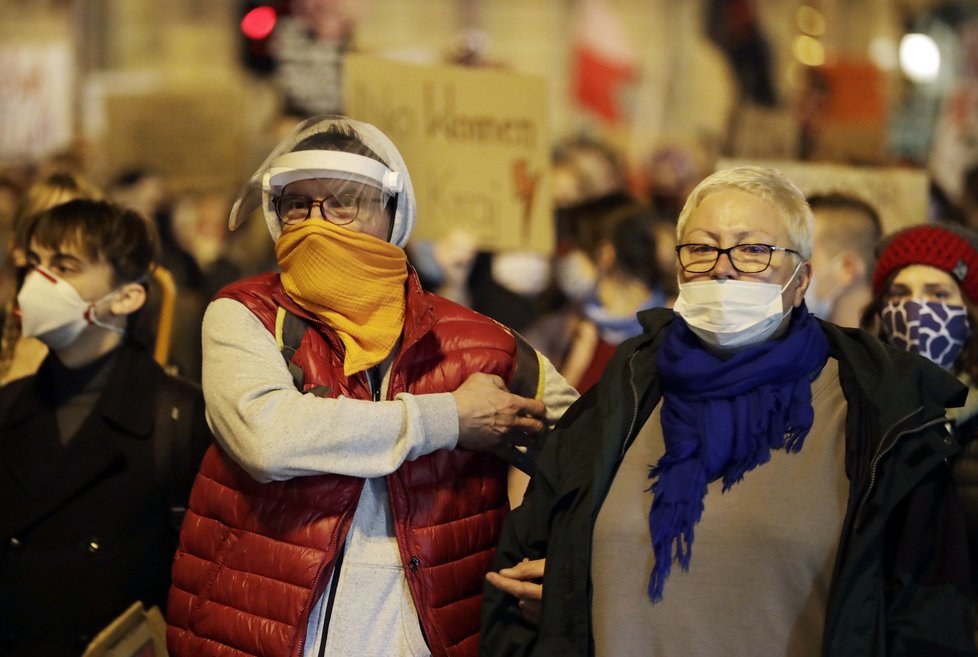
(254,558)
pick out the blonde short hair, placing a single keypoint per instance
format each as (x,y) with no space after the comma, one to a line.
(771,186)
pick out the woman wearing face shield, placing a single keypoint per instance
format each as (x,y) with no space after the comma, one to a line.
(759,482)
(364,427)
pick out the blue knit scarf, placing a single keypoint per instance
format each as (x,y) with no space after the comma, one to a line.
(723,417)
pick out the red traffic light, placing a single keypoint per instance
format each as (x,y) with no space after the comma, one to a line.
(259,22)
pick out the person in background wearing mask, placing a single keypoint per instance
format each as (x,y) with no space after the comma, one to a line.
(97,449)
(622,249)
(523,289)
(744,480)
(355,497)
(445,264)
(924,291)
(21,356)
(846,232)
(581,228)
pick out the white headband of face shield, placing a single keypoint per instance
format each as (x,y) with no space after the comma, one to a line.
(303,165)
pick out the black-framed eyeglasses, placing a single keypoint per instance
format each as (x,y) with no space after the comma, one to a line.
(745,258)
(340,209)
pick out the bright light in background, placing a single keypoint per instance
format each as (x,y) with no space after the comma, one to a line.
(808,51)
(259,22)
(811,21)
(883,53)
(920,58)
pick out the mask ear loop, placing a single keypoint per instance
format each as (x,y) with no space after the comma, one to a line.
(793,274)
(785,313)
(92,318)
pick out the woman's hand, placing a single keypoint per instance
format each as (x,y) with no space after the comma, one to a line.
(523,582)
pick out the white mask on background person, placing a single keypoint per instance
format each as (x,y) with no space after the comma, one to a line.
(821,307)
(575,275)
(52,311)
(523,272)
(421,253)
(730,314)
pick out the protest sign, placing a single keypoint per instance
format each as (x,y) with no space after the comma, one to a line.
(475,141)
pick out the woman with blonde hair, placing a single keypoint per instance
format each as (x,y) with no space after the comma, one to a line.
(21,356)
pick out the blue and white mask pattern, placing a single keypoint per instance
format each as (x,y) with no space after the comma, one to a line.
(932,329)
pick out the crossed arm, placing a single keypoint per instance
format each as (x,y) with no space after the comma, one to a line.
(276,433)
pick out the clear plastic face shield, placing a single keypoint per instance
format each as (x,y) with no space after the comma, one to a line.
(341,187)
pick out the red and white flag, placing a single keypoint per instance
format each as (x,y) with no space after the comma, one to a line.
(605,63)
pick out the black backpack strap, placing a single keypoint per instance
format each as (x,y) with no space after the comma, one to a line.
(289,329)
(172,448)
(527,381)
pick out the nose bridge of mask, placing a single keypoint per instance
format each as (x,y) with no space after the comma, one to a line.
(936,330)
(50,309)
(63,288)
(912,305)
(733,303)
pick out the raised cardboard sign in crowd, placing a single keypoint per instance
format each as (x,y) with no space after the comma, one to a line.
(475,141)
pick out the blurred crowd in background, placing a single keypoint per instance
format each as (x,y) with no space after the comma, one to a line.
(869,106)
(615,193)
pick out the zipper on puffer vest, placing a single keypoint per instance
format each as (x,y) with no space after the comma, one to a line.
(332,598)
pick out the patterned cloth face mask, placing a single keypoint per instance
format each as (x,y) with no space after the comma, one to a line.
(932,329)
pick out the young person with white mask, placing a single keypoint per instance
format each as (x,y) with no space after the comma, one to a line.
(353,502)
(98,448)
(847,229)
(744,480)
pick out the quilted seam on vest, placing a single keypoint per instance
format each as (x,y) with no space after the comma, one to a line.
(254,558)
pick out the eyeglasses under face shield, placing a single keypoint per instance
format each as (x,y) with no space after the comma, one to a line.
(339,201)
(347,186)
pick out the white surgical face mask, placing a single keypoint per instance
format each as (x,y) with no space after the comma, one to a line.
(730,315)
(575,275)
(523,272)
(818,306)
(52,311)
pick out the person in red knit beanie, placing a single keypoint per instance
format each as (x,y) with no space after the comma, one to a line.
(925,296)
(925,290)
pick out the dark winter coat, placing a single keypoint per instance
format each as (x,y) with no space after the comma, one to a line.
(901,584)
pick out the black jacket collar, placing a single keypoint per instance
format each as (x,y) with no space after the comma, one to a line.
(125,411)
(133,369)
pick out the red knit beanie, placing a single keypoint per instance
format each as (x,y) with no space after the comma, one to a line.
(947,247)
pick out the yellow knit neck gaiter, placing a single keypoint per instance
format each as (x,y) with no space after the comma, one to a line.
(352,281)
